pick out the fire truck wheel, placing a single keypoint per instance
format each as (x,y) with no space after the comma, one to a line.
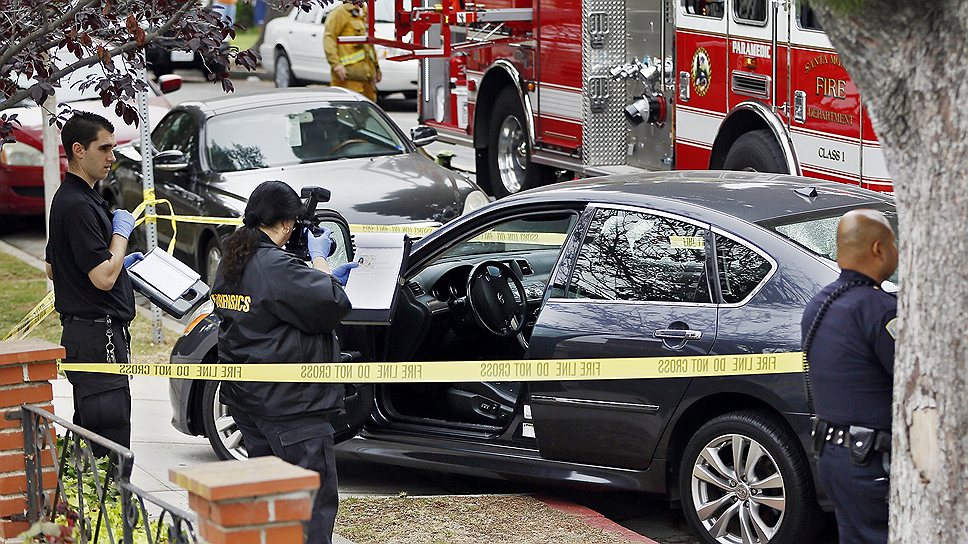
(509,157)
(744,477)
(756,151)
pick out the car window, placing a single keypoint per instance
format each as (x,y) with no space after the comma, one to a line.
(520,234)
(299,133)
(817,232)
(178,131)
(637,256)
(307,16)
(741,269)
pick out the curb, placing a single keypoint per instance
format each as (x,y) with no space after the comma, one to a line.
(593,518)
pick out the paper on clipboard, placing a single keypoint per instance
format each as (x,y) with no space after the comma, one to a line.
(372,285)
(168,275)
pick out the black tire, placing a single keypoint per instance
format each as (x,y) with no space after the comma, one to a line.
(775,496)
(208,264)
(219,426)
(509,166)
(283,76)
(756,151)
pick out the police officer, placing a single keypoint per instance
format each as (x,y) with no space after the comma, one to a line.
(275,309)
(352,65)
(848,331)
(85,259)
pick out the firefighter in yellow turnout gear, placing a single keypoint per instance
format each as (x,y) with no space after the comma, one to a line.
(352,65)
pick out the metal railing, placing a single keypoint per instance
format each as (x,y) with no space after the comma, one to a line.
(100,470)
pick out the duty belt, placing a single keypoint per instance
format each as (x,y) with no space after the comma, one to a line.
(861,441)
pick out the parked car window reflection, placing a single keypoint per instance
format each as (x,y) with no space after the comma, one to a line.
(741,269)
(635,256)
(177,131)
(298,133)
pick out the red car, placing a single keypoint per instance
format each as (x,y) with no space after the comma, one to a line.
(21,162)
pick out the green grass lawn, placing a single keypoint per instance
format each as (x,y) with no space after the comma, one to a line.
(24,286)
(245,39)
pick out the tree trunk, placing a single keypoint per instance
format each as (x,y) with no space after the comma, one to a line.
(909,60)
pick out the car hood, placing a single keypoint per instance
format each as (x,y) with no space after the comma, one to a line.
(382,190)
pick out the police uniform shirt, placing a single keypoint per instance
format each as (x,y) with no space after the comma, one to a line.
(282,311)
(852,354)
(80,233)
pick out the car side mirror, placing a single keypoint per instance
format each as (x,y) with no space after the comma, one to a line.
(172,160)
(422,135)
(170,83)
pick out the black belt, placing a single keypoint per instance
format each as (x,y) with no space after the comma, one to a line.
(67,318)
(861,441)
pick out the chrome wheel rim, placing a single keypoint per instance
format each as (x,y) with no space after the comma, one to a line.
(512,154)
(212,258)
(228,432)
(282,72)
(738,492)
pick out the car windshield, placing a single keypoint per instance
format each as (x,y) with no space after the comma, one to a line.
(817,233)
(299,133)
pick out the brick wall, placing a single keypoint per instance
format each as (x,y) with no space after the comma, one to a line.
(26,368)
(258,501)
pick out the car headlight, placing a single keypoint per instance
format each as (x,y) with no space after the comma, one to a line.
(199,314)
(21,154)
(474,200)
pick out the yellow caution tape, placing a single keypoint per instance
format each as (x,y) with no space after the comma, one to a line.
(467,371)
(32,319)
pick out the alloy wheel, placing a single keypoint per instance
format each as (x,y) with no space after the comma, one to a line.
(738,491)
(228,432)
(212,257)
(512,154)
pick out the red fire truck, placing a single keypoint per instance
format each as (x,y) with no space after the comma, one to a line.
(546,88)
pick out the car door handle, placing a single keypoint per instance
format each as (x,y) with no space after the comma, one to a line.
(677,334)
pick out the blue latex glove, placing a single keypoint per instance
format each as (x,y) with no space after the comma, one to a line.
(123,223)
(319,245)
(132,258)
(342,272)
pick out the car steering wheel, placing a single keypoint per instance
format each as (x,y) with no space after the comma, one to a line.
(347,143)
(492,301)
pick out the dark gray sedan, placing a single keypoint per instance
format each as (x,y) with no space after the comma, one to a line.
(670,265)
(212,154)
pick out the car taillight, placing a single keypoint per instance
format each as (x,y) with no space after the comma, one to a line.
(21,154)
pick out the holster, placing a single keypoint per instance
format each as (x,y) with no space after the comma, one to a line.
(861,444)
(818,431)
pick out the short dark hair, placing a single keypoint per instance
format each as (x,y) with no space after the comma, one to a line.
(82,128)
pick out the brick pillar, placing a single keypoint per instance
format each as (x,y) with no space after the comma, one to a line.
(262,500)
(26,366)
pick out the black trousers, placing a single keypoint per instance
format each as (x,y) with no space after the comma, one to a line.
(859,495)
(305,441)
(102,402)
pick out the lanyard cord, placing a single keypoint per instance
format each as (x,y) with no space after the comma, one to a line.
(808,339)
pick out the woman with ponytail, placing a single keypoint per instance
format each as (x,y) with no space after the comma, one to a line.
(275,309)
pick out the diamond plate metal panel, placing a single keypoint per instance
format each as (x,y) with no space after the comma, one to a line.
(604,132)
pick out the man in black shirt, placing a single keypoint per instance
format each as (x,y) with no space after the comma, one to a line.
(93,294)
(848,335)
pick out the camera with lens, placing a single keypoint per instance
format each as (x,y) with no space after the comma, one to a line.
(298,244)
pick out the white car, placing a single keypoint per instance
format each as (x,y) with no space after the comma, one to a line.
(292,51)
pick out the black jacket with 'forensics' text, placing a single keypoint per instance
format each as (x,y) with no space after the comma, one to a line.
(282,311)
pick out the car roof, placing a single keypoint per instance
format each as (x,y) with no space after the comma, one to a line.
(750,196)
(247,101)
